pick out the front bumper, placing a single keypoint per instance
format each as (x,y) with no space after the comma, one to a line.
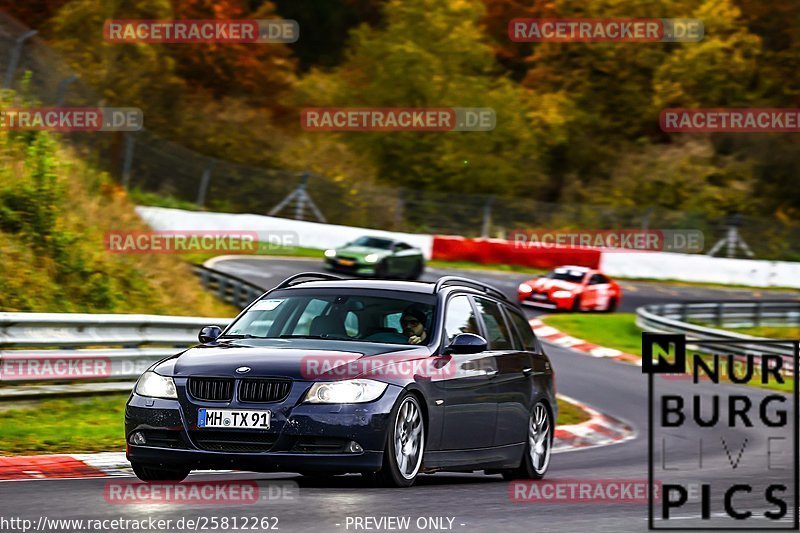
(368,461)
(564,304)
(301,436)
(357,269)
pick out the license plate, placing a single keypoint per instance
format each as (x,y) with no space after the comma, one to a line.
(231,418)
(346,262)
(539,296)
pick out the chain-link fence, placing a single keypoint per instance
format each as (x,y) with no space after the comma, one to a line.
(145,161)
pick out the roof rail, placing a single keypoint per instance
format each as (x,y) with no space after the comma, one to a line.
(457,280)
(318,275)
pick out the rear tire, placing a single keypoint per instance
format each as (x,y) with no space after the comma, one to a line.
(536,458)
(612,305)
(405,445)
(153,473)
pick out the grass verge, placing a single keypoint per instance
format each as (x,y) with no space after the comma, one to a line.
(96,424)
(771,332)
(616,330)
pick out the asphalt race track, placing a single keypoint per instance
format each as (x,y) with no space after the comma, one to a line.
(475,502)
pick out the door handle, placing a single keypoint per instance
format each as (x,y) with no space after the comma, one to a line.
(527,371)
(491,373)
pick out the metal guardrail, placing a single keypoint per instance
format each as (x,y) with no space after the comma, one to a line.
(692,319)
(227,287)
(47,348)
(58,353)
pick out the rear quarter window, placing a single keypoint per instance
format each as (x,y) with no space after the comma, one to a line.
(523,330)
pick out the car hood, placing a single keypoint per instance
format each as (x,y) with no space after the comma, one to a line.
(293,363)
(361,251)
(547,284)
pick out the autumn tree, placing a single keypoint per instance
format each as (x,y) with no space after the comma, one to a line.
(439,60)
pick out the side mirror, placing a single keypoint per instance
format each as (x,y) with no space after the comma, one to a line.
(209,334)
(465,343)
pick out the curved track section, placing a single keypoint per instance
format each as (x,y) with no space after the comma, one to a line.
(474,502)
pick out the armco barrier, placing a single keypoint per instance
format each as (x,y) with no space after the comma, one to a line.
(676,317)
(229,288)
(55,348)
(61,353)
(501,251)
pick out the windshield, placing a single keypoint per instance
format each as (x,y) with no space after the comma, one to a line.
(564,274)
(336,316)
(373,242)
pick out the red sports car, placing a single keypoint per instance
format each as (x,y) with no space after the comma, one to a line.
(572,288)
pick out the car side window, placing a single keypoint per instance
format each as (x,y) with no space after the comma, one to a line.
(524,330)
(499,338)
(459,318)
(596,279)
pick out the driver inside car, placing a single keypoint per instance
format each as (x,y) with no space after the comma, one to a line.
(413,324)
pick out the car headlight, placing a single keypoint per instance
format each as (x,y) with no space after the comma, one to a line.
(155,386)
(372,258)
(348,391)
(330,253)
(562,294)
(524,287)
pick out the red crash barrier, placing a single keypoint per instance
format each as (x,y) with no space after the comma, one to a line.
(499,251)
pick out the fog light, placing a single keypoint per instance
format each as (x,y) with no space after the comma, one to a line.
(138,439)
(354,447)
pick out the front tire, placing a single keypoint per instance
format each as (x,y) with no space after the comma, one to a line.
(151,473)
(576,304)
(405,444)
(382,270)
(536,458)
(419,268)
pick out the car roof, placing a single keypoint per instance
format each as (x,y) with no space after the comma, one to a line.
(574,267)
(381,284)
(381,237)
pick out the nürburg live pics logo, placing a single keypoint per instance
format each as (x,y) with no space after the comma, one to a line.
(723,433)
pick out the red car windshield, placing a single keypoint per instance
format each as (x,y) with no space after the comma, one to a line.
(573,276)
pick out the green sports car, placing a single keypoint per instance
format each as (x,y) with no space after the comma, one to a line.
(377,257)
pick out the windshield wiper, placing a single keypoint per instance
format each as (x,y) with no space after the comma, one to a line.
(323,336)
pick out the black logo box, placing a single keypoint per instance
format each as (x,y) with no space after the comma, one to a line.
(665,341)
